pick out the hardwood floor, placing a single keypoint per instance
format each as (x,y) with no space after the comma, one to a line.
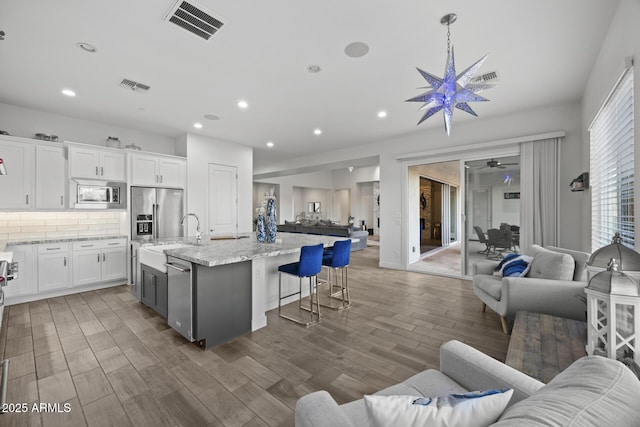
(116,363)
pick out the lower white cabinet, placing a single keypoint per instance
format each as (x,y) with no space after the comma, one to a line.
(97,261)
(114,263)
(25,283)
(50,267)
(86,267)
(54,266)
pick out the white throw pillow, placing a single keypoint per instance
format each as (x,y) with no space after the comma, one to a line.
(474,409)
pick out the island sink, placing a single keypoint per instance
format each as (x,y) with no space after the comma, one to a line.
(154,256)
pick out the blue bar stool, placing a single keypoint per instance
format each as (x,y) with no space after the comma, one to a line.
(337,260)
(310,265)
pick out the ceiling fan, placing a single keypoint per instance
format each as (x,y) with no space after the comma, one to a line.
(493,163)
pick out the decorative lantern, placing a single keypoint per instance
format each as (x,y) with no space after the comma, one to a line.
(628,259)
(613,314)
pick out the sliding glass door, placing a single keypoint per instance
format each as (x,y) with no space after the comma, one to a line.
(492,201)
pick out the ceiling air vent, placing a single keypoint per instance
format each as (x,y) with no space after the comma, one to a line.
(194,19)
(134,86)
(490,77)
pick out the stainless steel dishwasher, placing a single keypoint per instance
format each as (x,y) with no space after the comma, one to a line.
(180,297)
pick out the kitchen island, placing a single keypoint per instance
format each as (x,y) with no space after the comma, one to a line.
(233,283)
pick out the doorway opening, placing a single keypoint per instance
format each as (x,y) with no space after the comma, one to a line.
(430,215)
(434,218)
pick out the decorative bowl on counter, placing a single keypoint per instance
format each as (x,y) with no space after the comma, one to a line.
(132,147)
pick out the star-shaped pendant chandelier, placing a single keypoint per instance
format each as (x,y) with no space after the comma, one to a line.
(454,90)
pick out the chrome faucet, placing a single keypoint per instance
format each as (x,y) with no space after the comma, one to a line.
(198,233)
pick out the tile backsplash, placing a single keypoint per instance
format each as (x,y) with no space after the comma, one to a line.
(17,226)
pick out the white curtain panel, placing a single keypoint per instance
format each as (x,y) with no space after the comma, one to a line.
(539,193)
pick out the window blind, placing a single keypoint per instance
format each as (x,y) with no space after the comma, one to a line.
(611,167)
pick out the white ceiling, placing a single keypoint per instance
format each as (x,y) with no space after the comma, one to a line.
(543,51)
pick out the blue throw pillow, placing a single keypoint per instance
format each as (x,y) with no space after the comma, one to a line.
(514,265)
(507,258)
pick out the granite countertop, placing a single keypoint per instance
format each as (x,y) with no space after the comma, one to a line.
(219,252)
(64,239)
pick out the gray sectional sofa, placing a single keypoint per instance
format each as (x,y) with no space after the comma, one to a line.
(327,228)
(593,391)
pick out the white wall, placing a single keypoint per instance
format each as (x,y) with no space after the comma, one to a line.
(622,40)
(341,205)
(26,123)
(366,203)
(200,152)
(304,195)
(321,180)
(504,210)
(359,182)
(259,190)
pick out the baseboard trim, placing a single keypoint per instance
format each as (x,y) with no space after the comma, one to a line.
(391,266)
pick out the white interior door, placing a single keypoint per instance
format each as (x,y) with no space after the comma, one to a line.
(223,199)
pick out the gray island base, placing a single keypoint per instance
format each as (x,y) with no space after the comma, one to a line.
(222,289)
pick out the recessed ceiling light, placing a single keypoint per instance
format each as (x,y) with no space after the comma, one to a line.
(356,49)
(197,125)
(87,47)
(270,144)
(317,132)
(382,114)
(68,92)
(211,117)
(314,68)
(243,104)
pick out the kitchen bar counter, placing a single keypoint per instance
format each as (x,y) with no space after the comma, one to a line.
(234,282)
(245,248)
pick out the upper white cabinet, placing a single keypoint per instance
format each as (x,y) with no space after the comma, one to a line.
(96,163)
(158,171)
(51,177)
(17,186)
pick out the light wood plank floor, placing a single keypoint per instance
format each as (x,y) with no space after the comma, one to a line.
(116,363)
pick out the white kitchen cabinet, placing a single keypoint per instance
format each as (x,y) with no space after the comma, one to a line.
(96,261)
(95,163)
(87,267)
(172,172)
(17,186)
(25,283)
(54,266)
(51,177)
(114,263)
(160,171)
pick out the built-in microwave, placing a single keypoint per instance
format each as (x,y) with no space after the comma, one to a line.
(88,194)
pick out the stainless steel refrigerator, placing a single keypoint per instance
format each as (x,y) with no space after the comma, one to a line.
(155,214)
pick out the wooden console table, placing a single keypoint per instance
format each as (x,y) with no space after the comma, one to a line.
(542,345)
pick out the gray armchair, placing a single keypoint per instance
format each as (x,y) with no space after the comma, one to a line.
(554,285)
